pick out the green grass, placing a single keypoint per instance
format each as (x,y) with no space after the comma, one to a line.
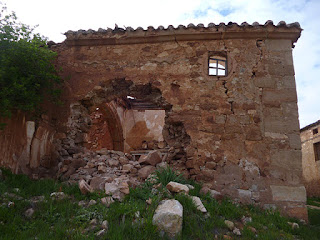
(65,219)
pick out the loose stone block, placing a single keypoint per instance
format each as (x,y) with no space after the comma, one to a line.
(168,217)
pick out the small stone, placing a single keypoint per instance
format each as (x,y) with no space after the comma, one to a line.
(162,165)
(153,158)
(111,188)
(84,187)
(236,231)
(92,202)
(123,160)
(293,225)
(252,229)
(113,163)
(82,203)
(198,203)
(124,188)
(37,199)
(229,224)
(246,220)
(149,201)
(107,201)
(177,187)
(101,232)
(226,237)
(93,221)
(144,172)
(29,212)
(190,186)
(97,183)
(102,169)
(127,167)
(58,195)
(105,224)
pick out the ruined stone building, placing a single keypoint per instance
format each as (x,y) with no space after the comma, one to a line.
(221,97)
(310,147)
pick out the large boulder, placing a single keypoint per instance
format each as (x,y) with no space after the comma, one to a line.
(168,217)
(153,158)
(177,187)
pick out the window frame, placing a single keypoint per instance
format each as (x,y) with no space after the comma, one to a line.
(216,56)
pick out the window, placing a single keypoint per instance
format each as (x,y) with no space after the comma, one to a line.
(217,65)
(315,131)
(316,147)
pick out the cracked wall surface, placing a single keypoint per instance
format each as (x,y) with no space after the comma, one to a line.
(238,134)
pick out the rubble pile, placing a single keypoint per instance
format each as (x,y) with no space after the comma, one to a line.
(108,170)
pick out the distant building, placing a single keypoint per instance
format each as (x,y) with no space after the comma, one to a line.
(310,143)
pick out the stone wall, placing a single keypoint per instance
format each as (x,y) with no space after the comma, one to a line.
(311,167)
(239,133)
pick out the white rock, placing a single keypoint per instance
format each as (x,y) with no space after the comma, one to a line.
(236,231)
(198,203)
(229,224)
(92,202)
(215,194)
(168,217)
(107,201)
(177,187)
(58,195)
(105,224)
(101,232)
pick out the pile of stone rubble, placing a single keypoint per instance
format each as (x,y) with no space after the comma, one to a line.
(110,171)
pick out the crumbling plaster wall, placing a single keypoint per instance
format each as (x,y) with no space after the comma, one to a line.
(27,147)
(311,168)
(243,128)
(142,126)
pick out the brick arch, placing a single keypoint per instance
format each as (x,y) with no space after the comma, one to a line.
(115,127)
(106,128)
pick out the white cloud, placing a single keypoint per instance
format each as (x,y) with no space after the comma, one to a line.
(59,16)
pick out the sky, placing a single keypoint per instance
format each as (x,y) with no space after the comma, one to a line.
(56,17)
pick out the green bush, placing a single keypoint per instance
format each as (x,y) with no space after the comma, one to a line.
(27,73)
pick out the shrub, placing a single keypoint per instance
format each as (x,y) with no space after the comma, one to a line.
(27,73)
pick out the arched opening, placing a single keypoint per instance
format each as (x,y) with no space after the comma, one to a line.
(105,130)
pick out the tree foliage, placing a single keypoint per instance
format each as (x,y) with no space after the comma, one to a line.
(27,73)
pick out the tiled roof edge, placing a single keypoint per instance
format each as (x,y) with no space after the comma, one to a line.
(281,24)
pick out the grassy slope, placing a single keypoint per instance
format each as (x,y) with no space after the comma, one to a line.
(65,219)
